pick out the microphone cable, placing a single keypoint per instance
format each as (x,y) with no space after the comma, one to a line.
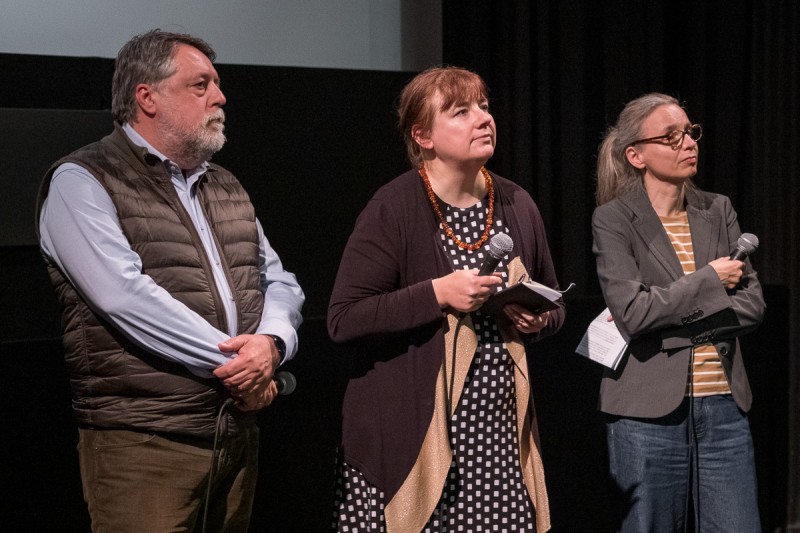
(693,457)
(224,407)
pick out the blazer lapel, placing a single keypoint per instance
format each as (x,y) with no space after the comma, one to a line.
(649,227)
(705,228)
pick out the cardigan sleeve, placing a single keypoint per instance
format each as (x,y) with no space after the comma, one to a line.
(370,295)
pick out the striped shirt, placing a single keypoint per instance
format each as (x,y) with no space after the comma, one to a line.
(707,376)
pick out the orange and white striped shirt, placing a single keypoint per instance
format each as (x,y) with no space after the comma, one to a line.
(707,376)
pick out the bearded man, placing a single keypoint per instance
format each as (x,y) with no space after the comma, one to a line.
(176,310)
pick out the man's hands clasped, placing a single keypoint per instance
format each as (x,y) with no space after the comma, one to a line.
(248,376)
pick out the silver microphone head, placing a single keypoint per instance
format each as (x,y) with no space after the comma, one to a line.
(747,243)
(500,245)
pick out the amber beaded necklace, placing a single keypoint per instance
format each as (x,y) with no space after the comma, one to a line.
(449,232)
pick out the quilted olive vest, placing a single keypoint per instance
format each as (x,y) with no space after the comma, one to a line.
(115,383)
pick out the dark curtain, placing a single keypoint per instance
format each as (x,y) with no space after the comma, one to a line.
(560,72)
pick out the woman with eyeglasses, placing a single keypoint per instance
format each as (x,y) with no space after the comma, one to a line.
(675,407)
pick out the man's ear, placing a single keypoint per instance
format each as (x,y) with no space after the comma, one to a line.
(144,98)
(634,157)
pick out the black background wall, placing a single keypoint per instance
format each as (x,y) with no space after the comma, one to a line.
(312,145)
(560,73)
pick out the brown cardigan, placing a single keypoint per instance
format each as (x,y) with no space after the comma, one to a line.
(383,302)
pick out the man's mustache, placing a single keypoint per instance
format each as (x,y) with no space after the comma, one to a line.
(217,116)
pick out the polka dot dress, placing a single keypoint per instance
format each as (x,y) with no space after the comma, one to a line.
(484,490)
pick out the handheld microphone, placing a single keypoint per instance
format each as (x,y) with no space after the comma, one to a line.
(745,246)
(499,246)
(286,383)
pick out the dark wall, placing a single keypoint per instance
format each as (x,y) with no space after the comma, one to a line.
(559,73)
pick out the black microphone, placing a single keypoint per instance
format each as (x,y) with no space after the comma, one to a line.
(286,383)
(745,246)
(500,245)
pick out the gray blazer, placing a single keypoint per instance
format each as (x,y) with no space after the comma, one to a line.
(664,312)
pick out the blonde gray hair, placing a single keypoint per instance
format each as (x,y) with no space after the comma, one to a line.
(615,174)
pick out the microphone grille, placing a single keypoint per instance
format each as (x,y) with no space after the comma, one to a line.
(286,383)
(747,242)
(500,244)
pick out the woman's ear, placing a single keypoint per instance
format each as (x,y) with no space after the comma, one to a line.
(634,157)
(421,137)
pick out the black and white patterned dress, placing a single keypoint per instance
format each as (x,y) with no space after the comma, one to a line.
(484,490)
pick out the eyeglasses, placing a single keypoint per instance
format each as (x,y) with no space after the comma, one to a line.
(675,137)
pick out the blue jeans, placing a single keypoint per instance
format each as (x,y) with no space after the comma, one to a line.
(658,463)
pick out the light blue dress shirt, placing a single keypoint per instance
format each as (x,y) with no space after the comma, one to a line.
(80,232)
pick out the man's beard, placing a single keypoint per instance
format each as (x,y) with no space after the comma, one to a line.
(190,148)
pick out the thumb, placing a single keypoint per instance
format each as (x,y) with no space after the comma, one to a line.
(231,345)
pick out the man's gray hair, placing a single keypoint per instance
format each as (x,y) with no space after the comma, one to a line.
(147,58)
